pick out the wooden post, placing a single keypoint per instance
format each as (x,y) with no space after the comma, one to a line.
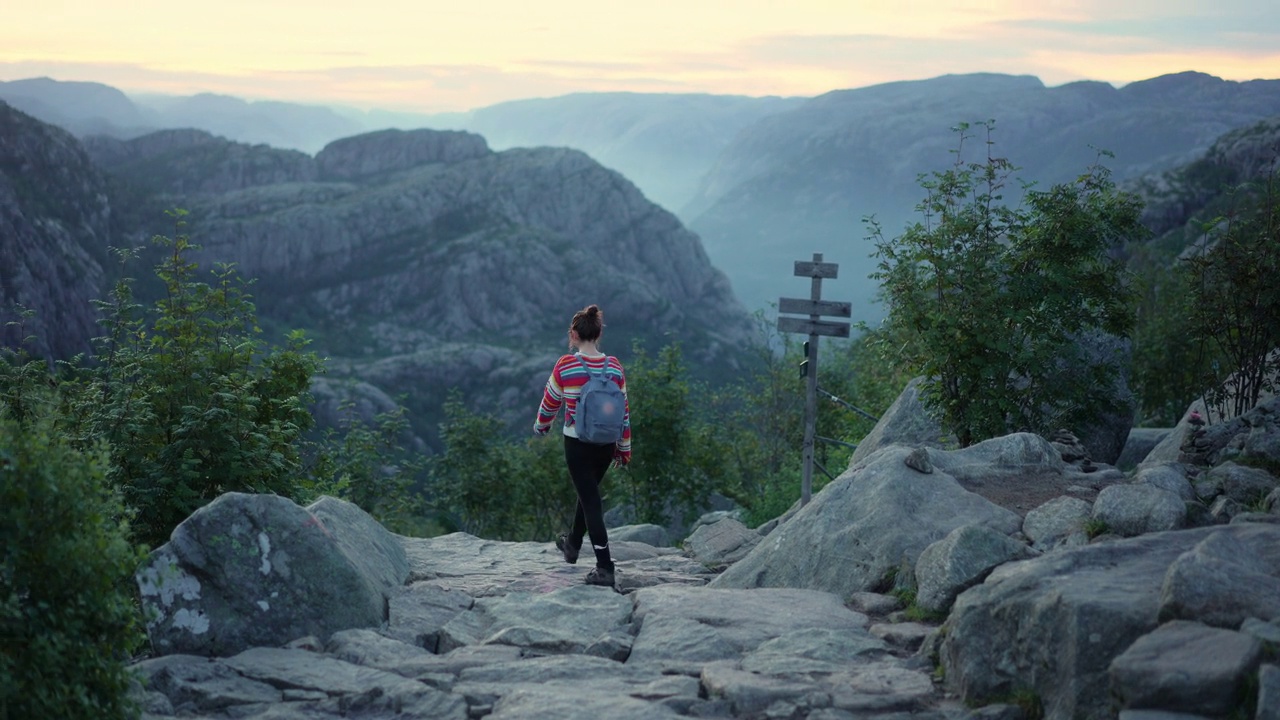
(814,327)
(811,394)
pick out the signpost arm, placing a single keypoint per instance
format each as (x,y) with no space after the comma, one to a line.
(811,395)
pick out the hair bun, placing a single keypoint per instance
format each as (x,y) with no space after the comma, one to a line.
(593,310)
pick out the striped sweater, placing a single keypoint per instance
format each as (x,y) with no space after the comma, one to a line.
(565,386)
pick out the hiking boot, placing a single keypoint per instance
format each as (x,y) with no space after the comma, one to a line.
(600,576)
(570,552)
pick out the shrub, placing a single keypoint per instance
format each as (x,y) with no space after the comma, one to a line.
(67,617)
(192,401)
(994,300)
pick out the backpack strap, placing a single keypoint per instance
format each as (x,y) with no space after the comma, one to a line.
(587,369)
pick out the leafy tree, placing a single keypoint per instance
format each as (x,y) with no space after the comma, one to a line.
(191,400)
(1235,299)
(994,300)
(67,617)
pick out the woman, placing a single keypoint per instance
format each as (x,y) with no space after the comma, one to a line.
(587,462)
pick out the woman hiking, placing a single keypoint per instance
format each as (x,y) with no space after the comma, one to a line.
(588,461)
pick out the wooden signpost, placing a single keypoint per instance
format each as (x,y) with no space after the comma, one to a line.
(814,327)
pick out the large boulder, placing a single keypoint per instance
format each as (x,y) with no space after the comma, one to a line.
(1139,444)
(1057,521)
(1105,436)
(961,560)
(1187,667)
(1220,582)
(249,570)
(857,532)
(1138,508)
(1053,624)
(1246,485)
(906,422)
(721,543)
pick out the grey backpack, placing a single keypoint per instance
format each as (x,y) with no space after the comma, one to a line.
(601,408)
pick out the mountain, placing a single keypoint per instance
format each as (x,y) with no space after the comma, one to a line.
(86,109)
(664,143)
(422,260)
(55,227)
(284,125)
(80,107)
(802,181)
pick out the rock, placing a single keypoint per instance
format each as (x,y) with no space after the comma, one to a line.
(906,422)
(1272,502)
(856,532)
(250,570)
(1268,693)
(959,561)
(813,650)
(1104,434)
(1136,509)
(1055,521)
(721,543)
(874,603)
(1169,476)
(1053,624)
(705,624)
(1187,667)
(906,635)
(1018,456)
(1139,444)
(565,620)
(918,460)
(1224,580)
(1255,517)
(421,609)
(1267,632)
(647,533)
(1246,485)
(376,691)
(1223,509)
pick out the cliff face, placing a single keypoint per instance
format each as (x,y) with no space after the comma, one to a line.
(1179,200)
(54,233)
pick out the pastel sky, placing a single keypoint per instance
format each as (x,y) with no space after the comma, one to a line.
(428,55)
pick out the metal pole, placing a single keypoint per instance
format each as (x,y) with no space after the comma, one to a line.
(811,397)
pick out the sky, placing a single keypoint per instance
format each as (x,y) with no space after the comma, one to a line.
(429,56)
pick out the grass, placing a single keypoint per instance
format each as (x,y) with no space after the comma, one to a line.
(1093,527)
(914,612)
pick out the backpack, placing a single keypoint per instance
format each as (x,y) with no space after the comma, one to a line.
(601,407)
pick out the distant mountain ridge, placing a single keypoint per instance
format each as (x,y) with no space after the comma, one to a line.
(804,180)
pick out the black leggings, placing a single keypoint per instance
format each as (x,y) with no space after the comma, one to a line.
(587,466)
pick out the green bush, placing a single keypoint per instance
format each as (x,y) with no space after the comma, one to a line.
(993,299)
(192,401)
(67,616)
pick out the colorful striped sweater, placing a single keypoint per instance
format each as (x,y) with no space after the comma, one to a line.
(565,386)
